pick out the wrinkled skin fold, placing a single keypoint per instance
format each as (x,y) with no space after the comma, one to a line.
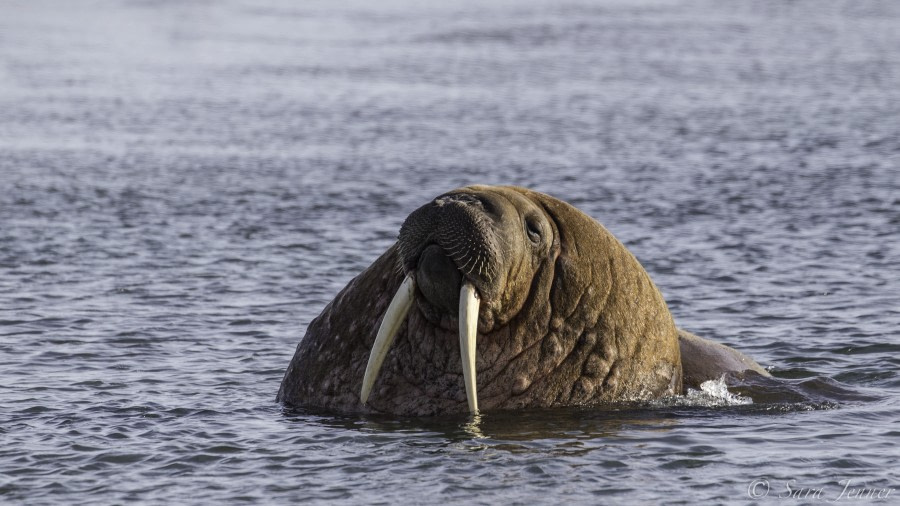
(497,298)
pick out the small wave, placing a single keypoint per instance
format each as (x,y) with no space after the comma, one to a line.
(712,393)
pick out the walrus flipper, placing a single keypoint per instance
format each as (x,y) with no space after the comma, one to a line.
(703,360)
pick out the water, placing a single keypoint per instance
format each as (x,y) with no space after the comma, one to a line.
(185,185)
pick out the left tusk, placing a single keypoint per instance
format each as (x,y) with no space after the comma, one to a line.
(468,328)
(393,318)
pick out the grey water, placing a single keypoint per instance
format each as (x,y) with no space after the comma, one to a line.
(185,185)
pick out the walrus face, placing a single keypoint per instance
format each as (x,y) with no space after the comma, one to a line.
(469,257)
(494,239)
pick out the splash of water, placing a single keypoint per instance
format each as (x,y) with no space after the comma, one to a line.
(714,393)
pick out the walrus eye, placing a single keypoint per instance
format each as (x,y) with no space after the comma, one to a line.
(533,230)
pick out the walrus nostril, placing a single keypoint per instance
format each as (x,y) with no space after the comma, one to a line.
(459,198)
(483,204)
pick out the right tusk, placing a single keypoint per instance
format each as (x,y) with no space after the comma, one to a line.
(468,330)
(393,318)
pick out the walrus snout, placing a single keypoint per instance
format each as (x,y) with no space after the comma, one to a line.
(438,279)
(461,227)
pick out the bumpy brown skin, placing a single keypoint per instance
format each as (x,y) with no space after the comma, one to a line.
(571,319)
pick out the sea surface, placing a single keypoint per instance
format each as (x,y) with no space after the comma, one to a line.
(184,185)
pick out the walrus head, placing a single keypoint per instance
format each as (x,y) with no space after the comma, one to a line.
(493,295)
(493,239)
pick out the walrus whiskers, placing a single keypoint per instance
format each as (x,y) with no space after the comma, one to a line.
(393,318)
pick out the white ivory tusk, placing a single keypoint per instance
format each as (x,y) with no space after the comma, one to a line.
(468,328)
(393,318)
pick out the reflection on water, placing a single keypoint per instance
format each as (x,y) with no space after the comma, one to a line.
(560,431)
(748,395)
(473,427)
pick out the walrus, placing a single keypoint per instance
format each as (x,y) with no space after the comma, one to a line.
(496,298)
